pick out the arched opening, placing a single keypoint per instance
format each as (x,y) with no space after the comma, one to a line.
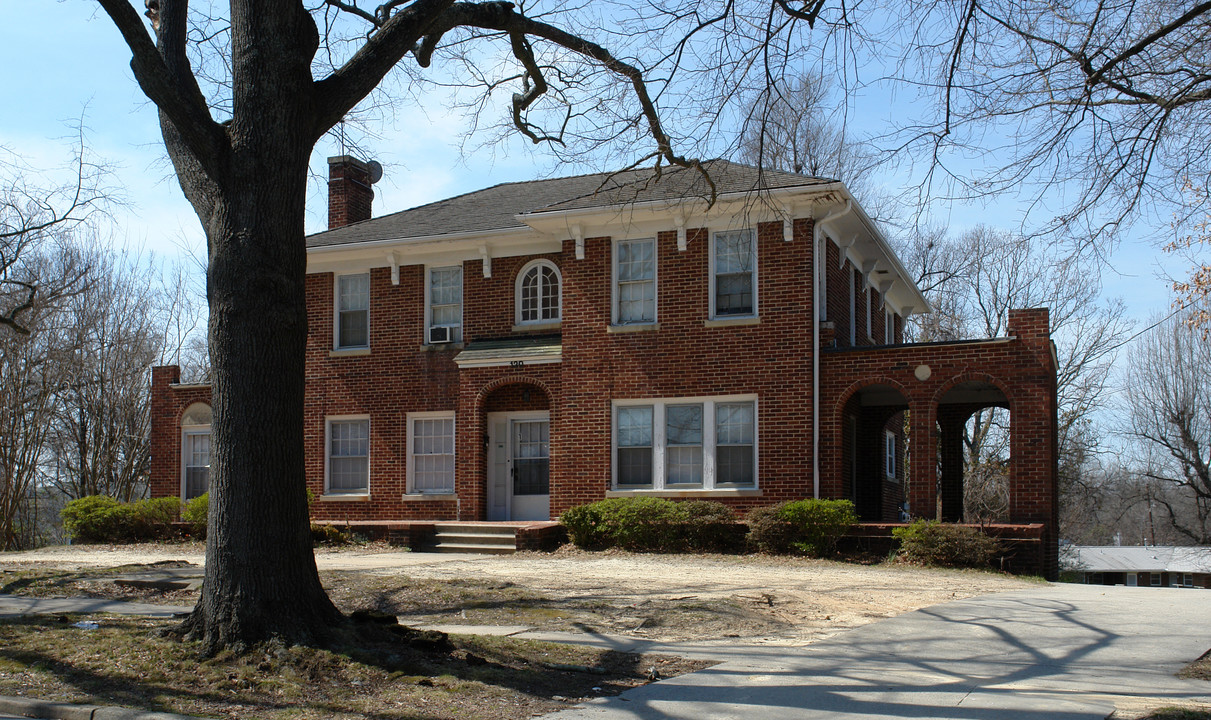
(517,419)
(195,450)
(973,453)
(872,452)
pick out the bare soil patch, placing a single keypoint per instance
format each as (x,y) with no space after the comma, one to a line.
(779,600)
(126,662)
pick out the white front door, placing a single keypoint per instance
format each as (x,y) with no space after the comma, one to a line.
(519,463)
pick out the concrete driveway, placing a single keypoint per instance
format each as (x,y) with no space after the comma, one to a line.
(1058,652)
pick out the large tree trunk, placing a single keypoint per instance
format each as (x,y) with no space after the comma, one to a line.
(261,579)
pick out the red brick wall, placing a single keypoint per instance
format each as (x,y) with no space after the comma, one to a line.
(168,403)
(1022,368)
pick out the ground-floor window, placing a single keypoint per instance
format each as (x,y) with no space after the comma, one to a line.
(348,456)
(430,452)
(197,463)
(685,443)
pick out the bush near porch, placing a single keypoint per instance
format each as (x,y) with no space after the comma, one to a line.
(655,524)
(809,527)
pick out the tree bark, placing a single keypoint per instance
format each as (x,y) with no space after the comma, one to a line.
(261,578)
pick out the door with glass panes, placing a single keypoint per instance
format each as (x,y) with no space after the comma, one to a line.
(519,466)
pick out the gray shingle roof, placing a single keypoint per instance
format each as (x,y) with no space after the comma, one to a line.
(495,208)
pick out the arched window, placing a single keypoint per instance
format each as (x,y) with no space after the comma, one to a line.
(195,450)
(538,297)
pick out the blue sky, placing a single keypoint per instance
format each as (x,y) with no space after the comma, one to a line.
(63,62)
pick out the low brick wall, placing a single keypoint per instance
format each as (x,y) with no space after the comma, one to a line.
(1024,546)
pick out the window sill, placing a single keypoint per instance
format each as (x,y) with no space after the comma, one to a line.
(351,497)
(428,497)
(637,327)
(533,327)
(696,492)
(349,352)
(732,321)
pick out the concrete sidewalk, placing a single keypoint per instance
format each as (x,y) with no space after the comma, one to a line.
(1055,653)
(16,605)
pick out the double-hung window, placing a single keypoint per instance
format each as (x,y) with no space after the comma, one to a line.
(635,281)
(889,328)
(734,273)
(685,443)
(353,311)
(430,453)
(634,434)
(683,451)
(445,300)
(348,466)
(195,450)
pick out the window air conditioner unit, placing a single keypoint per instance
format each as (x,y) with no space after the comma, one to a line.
(440,335)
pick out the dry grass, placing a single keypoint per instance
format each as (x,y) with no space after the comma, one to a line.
(126,662)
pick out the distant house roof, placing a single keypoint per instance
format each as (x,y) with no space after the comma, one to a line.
(1159,558)
(497,207)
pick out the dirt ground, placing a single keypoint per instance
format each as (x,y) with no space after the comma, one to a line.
(774,600)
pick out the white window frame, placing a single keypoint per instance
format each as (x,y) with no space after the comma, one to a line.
(517,288)
(614,294)
(889,327)
(889,454)
(714,315)
(336,311)
(328,421)
(412,417)
(187,432)
(462,295)
(659,442)
(1154,579)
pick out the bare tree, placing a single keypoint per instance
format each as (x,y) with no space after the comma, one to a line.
(37,219)
(32,364)
(240,113)
(1194,292)
(991,272)
(1099,104)
(1168,387)
(123,322)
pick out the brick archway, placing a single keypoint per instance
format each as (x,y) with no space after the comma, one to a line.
(871,416)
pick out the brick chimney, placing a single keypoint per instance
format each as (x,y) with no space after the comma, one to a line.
(349,192)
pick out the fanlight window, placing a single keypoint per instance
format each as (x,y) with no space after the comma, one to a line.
(538,293)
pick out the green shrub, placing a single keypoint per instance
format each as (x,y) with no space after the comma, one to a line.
(929,542)
(98,518)
(654,524)
(810,527)
(197,512)
(328,535)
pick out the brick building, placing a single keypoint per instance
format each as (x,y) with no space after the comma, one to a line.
(513,352)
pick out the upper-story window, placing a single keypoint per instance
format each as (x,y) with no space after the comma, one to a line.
(352,311)
(635,281)
(733,273)
(538,299)
(444,304)
(889,328)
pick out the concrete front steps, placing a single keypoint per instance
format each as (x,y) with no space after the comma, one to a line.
(480,538)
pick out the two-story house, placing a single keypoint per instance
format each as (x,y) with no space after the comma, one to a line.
(515,351)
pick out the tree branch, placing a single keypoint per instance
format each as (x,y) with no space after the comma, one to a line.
(167,81)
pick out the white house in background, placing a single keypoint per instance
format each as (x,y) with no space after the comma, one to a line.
(1148,565)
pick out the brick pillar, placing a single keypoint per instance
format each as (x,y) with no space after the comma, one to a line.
(164,476)
(950,451)
(923,465)
(349,194)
